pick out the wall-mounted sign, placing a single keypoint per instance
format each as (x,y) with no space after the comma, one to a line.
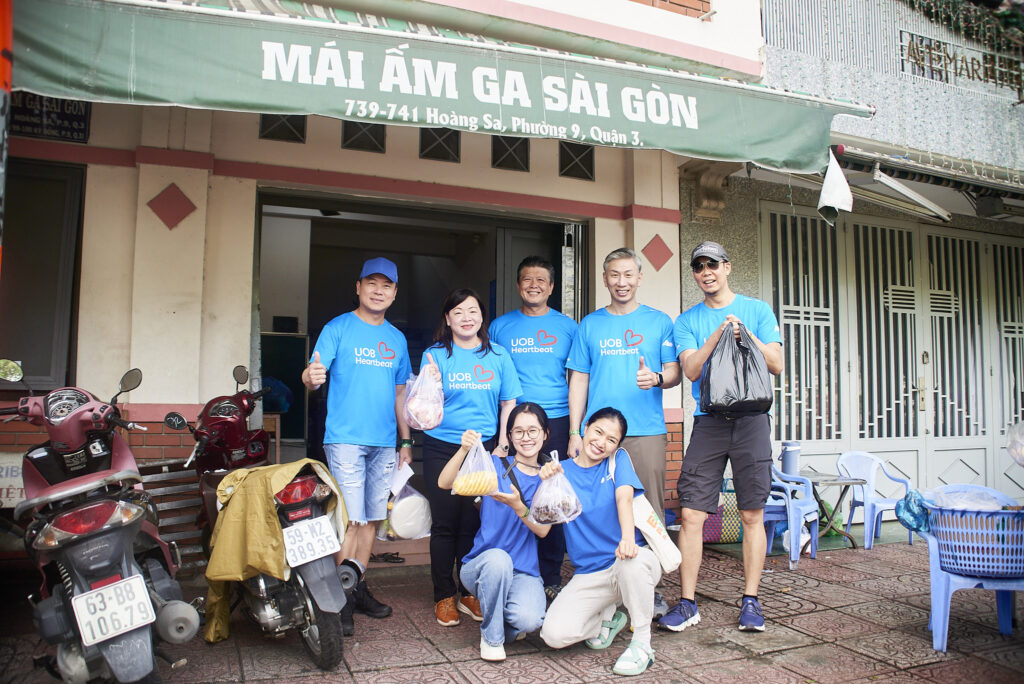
(958,65)
(49,117)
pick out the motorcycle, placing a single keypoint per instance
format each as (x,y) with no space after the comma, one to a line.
(107,577)
(312,597)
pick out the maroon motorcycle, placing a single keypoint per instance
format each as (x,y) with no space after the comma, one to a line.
(108,578)
(312,598)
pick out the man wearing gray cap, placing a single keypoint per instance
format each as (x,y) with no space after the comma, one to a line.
(367,360)
(745,442)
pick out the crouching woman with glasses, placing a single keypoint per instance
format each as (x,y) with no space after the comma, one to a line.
(610,567)
(502,570)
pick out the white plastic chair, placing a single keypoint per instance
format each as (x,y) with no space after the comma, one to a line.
(865,466)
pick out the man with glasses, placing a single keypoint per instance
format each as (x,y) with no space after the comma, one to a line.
(539,338)
(745,442)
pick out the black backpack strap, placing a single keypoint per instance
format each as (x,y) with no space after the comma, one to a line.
(510,471)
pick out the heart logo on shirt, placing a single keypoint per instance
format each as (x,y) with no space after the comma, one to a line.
(545,340)
(385,353)
(632,338)
(482,374)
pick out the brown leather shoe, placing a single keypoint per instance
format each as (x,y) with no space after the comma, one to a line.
(444,611)
(471,607)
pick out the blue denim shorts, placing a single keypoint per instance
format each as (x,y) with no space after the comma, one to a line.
(363,474)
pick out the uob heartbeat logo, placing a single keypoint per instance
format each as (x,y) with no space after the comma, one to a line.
(626,345)
(542,343)
(479,379)
(382,356)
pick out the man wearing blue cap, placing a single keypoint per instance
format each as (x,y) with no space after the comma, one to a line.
(367,360)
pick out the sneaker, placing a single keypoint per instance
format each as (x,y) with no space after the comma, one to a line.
(660,606)
(471,607)
(365,603)
(495,654)
(683,615)
(444,611)
(348,625)
(751,617)
(634,660)
(609,629)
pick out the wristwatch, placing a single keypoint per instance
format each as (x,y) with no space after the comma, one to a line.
(503,447)
(661,380)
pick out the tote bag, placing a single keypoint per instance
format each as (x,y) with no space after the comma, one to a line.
(646,519)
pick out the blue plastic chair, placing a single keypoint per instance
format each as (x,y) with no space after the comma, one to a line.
(785,505)
(865,466)
(964,540)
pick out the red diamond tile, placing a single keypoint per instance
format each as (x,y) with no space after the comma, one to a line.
(657,252)
(171,206)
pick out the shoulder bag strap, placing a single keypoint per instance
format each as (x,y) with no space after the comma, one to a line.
(510,470)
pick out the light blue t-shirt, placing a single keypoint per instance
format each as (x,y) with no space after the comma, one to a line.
(473,386)
(696,324)
(501,528)
(608,347)
(591,539)
(539,346)
(364,363)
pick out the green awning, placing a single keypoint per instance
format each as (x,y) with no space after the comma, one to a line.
(309,59)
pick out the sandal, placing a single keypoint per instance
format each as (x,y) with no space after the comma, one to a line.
(389,557)
(609,629)
(634,660)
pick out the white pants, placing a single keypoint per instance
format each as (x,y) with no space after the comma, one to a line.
(589,599)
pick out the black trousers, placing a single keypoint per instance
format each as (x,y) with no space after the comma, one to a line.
(454,520)
(551,549)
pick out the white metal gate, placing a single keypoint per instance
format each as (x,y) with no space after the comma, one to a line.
(897,341)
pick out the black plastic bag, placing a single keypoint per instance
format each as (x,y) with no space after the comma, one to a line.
(736,381)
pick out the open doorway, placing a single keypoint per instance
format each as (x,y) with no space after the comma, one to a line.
(312,249)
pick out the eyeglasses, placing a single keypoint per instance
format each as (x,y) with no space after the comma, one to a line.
(532,433)
(710,263)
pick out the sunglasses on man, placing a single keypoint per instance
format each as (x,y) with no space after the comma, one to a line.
(698,266)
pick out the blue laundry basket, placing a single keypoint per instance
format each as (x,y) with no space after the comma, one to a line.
(979,543)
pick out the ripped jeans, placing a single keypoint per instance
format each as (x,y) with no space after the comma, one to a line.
(363,474)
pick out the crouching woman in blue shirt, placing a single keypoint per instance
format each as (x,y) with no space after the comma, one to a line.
(610,567)
(502,569)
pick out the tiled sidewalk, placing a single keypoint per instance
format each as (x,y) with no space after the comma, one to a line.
(849,616)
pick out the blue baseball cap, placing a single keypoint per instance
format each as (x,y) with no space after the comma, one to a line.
(385,267)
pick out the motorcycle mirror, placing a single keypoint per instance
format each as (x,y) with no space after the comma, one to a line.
(11,371)
(129,381)
(175,421)
(240,374)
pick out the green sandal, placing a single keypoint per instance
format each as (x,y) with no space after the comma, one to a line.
(634,660)
(609,628)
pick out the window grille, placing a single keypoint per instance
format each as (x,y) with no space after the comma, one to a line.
(283,127)
(510,153)
(440,144)
(367,137)
(808,396)
(575,160)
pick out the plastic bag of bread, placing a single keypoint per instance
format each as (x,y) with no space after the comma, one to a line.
(477,476)
(555,501)
(424,402)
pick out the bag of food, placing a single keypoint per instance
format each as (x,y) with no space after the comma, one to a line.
(555,501)
(424,402)
(477,476)
(408,517)
(736,382)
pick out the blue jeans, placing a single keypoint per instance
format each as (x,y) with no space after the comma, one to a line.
(511,602)
(363,474)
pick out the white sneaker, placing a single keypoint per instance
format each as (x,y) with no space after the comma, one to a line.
(494,654)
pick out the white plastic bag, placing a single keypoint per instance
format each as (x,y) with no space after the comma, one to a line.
(477,476)
(424,402)
(1015,443)
(555,501)
(408,517)
(805,536)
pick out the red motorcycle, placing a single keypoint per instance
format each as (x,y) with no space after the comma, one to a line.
(313,596)
(108,578)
